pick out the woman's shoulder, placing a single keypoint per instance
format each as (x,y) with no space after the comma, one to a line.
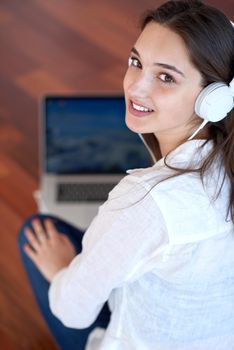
(161,175)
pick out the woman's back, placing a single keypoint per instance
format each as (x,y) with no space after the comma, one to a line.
(181,295)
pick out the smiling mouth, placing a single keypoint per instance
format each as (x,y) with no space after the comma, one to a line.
(139,110)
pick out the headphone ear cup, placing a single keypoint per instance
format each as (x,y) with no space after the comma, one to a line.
(214,102)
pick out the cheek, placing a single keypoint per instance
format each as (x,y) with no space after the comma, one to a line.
(175,107)
(165,98)
(177,100)
(189,101)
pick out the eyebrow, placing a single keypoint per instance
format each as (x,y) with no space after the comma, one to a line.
(164,65)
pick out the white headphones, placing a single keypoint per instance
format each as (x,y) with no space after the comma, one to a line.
(214,102)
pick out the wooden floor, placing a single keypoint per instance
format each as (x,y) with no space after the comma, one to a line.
(62,46)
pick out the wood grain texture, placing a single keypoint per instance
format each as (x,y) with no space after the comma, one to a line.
(62,46)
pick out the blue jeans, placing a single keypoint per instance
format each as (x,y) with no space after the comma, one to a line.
(66,338)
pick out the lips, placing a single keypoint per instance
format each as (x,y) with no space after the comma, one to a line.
(138,113)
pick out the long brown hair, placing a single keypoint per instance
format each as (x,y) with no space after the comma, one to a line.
(209,37)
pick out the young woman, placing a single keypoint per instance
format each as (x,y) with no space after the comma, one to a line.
(160,251)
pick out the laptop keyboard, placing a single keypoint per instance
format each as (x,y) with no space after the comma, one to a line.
(76,192)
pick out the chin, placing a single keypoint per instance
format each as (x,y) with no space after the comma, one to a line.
(133,126)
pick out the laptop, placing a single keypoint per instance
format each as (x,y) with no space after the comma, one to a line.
(85,150)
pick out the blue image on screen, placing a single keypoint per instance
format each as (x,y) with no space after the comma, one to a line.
(88,135)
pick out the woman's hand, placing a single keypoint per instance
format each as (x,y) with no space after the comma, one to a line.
(48,249)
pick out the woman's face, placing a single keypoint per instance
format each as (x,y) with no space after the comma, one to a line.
(161,78)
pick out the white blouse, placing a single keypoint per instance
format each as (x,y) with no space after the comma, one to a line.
(162,254)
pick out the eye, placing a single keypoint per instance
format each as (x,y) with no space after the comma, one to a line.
(134,62)
(166,78)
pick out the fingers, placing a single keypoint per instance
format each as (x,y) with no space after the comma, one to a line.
(31,253)
(40,233)
(50,228)
(39,238)
(35,237)
(34,243)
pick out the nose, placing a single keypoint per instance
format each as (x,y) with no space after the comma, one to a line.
(141,86)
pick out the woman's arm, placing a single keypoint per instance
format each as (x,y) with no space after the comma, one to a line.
(121,244)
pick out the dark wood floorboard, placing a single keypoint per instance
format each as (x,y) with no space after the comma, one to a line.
(62,46)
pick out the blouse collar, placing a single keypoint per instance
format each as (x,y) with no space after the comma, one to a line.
(191,152)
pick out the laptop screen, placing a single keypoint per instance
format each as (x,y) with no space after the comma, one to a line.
(88,135)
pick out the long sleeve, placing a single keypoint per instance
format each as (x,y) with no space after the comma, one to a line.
(156,258)
(122,242)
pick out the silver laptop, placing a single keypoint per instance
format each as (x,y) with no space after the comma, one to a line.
(85,149)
